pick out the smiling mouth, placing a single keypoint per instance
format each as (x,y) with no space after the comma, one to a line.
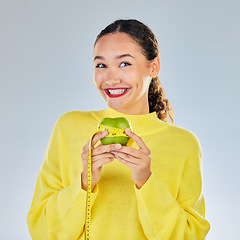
(114,93)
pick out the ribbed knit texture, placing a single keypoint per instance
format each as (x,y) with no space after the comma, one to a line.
(170,205)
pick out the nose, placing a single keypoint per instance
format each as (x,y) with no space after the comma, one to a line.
(112,77)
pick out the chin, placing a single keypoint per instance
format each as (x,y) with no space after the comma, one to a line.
(115,106)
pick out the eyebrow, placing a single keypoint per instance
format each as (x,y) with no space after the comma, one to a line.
(117,57)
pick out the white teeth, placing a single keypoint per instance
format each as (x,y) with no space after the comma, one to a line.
(118,91)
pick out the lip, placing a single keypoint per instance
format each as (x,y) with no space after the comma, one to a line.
(115,95)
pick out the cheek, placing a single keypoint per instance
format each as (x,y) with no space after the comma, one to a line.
(97,79)
(130,76)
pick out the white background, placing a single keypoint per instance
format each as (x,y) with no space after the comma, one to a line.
(46,69)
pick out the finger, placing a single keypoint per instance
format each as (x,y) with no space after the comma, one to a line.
(102,156)
(84,155)
(98,136)
(131,151)
(125,162)
(85,147)
(101,162)
(105,148)
(137,139)
(127,158)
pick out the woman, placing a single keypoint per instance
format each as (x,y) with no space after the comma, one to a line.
(152,190)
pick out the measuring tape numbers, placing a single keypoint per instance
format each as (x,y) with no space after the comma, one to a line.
(89,190)
(112,132)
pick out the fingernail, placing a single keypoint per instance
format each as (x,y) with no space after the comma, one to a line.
(104,132)
(127,130)
(118,146)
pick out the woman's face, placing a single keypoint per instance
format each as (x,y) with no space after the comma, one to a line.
(122,73)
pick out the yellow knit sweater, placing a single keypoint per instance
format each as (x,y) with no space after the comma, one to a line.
(170,205)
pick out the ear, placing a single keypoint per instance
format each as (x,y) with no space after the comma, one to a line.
(155,67)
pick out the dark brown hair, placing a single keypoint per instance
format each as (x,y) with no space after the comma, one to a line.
(143,35)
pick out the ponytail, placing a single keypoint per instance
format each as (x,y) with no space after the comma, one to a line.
(157,101)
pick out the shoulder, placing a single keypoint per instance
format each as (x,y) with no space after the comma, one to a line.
(79,119)
(184,136)
(74,115)
(73,118)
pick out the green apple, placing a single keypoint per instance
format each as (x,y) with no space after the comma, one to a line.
(116,131)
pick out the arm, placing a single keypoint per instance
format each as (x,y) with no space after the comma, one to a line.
(57,211)
(182,218)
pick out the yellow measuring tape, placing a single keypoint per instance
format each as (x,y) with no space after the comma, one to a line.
(89,190)
(112,132)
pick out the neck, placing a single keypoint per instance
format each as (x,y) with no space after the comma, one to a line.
(133,111)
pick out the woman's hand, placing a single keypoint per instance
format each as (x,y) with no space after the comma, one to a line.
(137,160)
(100,155)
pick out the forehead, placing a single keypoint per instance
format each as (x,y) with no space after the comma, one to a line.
(117,43)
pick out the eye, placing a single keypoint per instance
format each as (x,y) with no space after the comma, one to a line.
(124,64)
(101,65)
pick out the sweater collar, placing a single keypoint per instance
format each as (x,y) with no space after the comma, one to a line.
(143,124)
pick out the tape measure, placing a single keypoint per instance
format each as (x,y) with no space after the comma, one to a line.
(89,190)
(112,132)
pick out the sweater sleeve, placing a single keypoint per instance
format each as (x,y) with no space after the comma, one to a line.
(181,218)
(57,211)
